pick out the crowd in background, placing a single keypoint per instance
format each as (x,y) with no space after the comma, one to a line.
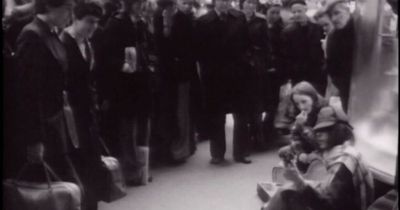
(163,75)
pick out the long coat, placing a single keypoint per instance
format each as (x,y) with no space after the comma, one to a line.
(81,95)
(223,61)
(340,56)
(41,82)
(258,54)
(303,54)
(40,78)
(129,93)
(176,53)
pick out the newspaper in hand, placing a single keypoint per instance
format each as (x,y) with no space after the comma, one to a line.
(130,60)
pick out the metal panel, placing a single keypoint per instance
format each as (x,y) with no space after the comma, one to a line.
(373,108)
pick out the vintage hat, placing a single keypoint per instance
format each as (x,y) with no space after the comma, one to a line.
(326,117)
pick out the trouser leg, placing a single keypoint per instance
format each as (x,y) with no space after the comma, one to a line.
(241,136)
(180,146)
(256,130)
(128,147)
(216,130)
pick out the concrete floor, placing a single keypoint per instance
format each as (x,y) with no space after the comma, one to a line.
(198,185)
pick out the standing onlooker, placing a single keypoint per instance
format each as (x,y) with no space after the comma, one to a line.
(322,18)
(174,42)
(275,73)
(303,52)
(222,35)
(340,49)
(257,52)
(81,95)
(105,115)
(42,63)
(127,85)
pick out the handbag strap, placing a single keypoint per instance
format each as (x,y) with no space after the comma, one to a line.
(103,144)
(47,171)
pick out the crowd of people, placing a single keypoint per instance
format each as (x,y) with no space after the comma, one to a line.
(164,75)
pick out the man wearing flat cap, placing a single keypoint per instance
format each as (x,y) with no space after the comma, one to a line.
(221,38)
(340,48)
(302,50)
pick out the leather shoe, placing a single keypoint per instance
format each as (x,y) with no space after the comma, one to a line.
(243,160)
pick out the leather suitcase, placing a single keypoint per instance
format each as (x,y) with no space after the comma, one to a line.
(22,195)
(114,187)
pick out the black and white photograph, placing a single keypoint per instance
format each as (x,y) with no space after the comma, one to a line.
(200,104)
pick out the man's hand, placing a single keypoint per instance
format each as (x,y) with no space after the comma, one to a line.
(35,153)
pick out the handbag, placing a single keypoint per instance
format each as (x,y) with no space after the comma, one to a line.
(114,186)
(58,195)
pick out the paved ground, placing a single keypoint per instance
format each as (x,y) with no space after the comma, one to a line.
(197,185)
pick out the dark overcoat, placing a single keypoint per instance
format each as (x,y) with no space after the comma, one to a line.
(81,95)
(258,56)
(41,82)
(129,93)
(221,50)
(303,54)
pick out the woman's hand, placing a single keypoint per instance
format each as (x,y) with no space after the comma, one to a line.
(302,118)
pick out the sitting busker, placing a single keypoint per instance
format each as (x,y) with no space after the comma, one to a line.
(347,185)
(300,115)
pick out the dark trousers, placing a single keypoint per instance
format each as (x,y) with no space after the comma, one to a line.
(242,134)
(88,167)
(132,132)
(343,85)
(216,133)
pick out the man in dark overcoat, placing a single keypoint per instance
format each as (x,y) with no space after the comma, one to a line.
(42,63)
(174,34)
(221,45)
(257,52)
(340,49)
(303,54)
(81,95)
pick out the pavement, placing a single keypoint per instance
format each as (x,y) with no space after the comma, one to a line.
(198,185)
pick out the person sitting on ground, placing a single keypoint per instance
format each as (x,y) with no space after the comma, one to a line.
(348,185)
(299,115)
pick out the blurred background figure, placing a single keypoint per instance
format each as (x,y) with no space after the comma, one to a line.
(42,61)
(339,63)
(257,53)
(174,35)
(127,85)
(81,95)
(302,48)
(221,47)
(322,18)
(275,73)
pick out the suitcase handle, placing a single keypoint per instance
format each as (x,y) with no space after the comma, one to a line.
(47,170)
